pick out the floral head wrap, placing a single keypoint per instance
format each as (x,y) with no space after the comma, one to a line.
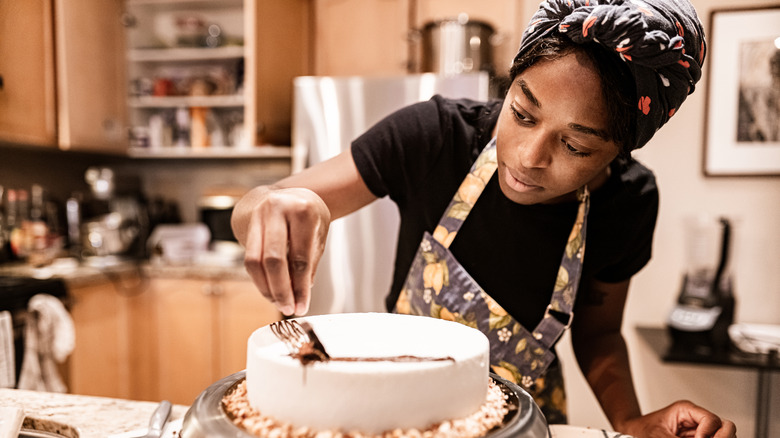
(662,42)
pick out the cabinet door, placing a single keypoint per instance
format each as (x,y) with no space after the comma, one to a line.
(361,37)
(91,75)
(186,329)
(27,94)
(278,39)
(100,362)
(242,310)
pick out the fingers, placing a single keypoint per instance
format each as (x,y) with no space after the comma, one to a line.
(284,242)
(257,257)
(727,430)
(710,425)
(695,421)
(304,237)
(274,263)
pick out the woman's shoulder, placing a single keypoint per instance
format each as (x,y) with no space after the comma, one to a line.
(465,108)
(631,179)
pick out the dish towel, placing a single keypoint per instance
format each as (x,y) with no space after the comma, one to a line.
(49,340)
(7,355)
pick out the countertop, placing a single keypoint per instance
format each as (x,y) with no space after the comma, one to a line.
(92,417)
(99,417)
(78,274)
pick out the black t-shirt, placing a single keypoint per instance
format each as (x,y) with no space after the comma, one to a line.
(419,155)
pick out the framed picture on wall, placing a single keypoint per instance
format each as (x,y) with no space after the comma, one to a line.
(742,128)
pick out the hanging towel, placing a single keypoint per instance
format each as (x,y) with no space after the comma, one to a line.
(7,355)
(49,340)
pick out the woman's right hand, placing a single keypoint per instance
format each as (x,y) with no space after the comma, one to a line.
(283,227)
(283,231)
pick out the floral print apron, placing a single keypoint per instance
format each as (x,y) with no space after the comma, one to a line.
(438,286)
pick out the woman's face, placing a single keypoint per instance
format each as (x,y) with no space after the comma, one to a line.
(552,136)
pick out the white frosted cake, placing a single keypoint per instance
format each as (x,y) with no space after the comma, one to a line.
(370,384)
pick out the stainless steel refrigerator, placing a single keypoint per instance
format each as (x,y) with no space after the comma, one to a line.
(356,269)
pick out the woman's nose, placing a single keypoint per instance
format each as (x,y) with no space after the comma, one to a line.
(535,151)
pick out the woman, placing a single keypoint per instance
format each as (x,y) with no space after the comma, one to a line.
(549,166)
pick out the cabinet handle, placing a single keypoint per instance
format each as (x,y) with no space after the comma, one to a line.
(1,82)
(128,20)
(212,289)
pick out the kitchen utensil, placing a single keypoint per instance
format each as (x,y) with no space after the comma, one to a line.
(705,306)
(207,417)
(300,339)
(457,45)
(159,418)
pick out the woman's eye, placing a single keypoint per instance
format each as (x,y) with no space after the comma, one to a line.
(574,151)
(520,117)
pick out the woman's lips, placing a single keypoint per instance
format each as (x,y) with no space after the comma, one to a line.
(520,183)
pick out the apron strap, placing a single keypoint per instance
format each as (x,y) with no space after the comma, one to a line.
(466,196)
(559,314)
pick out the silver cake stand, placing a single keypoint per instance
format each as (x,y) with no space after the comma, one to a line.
(207,418)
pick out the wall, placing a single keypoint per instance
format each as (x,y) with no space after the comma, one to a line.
(675,154)
(186,180)
(61,173)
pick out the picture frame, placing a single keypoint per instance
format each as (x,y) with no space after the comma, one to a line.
(742,125)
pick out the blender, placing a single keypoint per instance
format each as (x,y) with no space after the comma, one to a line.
(704,310)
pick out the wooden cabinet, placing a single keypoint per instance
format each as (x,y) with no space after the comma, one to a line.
(66,66)
(187,333)
(27,93)
(162,338)
(103,361)
(203,328)
(207,77)
(90,70)
(382,35)
(361,37)
(62,75)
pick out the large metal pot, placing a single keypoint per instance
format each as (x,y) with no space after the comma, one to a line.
(457,45)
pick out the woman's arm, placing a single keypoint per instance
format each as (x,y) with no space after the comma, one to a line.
(603,358)
(283,227)
(601,350)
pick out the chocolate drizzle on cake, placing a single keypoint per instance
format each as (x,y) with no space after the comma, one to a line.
(403,358)
(304,345)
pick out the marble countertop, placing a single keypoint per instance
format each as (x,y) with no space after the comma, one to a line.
(91,417)
(78,274)
(100,417)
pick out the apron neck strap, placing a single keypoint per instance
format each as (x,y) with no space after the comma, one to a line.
(559,314)
(469,191)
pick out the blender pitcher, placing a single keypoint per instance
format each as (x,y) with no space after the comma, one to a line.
(705,306)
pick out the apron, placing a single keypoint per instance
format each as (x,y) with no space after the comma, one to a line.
(438,286)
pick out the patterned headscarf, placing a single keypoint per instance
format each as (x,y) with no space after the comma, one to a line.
(662,42)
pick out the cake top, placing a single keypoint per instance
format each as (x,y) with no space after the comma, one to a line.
(375,340)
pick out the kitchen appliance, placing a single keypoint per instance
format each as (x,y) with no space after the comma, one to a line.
(215,207)
(700,320)
(207,417)
(457,45)
(108,226)
(178,243)
(356,268)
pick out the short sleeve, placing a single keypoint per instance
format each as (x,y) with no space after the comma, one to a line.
(394,154)
(628,233)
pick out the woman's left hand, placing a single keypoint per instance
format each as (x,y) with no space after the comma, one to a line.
(680,419)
